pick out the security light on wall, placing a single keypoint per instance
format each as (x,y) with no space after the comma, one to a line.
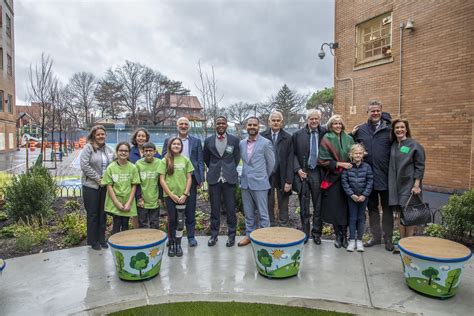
(332,46)
(410,27)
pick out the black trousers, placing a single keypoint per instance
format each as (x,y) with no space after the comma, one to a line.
(216,193)
(374,215)
(190,211)
(283,198)
(313,192)
(94,202)
(148,217)
(120,224)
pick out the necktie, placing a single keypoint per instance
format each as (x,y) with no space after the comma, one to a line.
(274,138)
(220,137)
(313,155)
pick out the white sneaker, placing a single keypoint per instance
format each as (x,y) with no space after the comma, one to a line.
(360,246)
(352,245)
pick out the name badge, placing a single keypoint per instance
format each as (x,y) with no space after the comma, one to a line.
(229,149)
(405,149)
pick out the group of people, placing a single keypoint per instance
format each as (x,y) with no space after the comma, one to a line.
(339,173)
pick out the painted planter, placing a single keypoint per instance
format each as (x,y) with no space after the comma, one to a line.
(277,251)
(433,266)
(137,253)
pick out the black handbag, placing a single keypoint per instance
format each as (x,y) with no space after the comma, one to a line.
(415,214)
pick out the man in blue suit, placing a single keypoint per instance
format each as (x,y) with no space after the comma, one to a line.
(192,148)
(222,156)
(258,163)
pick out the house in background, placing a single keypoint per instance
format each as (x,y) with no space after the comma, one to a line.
(7,78)
(417,58)
(171,108)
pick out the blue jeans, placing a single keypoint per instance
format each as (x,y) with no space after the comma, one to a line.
(357,218)
(255,206)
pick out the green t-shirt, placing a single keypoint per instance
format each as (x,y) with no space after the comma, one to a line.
(177,181)
(149,179)
(121,178)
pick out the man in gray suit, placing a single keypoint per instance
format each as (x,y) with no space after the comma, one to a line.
(258,163)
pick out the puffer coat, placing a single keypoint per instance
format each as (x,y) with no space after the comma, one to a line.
(358,180)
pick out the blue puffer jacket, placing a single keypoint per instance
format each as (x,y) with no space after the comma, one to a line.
(358,180)
(377,146)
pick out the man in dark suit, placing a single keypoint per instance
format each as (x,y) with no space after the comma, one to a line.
(282,176)
(222,156)
(192,148)
(308,175)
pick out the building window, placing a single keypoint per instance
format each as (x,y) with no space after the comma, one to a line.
(374,39)
(1,57)
(10,104)
(1,100)
(8,25)
(9,65)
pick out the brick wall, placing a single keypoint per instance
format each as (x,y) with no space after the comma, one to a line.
(437,80)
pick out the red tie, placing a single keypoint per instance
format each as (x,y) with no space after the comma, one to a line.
(220,137)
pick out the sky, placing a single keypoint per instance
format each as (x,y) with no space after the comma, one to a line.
(255,46)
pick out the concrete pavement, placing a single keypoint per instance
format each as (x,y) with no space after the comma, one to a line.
(83,281)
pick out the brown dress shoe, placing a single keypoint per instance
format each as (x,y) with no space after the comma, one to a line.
(244,242)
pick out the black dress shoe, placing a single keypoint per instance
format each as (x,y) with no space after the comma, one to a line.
(389,245)
(230,242)
(96,247)
(212,241)
(104,245)
(372,242)
(317,240)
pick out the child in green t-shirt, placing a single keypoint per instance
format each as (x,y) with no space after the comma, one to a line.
(175,179)
(121,178)
(147,193)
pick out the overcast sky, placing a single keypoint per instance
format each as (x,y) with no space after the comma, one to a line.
(255,46)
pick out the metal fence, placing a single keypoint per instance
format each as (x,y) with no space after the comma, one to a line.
(69,190)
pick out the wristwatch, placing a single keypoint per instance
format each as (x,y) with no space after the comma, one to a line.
(187,194)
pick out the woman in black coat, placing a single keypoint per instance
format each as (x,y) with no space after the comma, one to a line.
(407,166)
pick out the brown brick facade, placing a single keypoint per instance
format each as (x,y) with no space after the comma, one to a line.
(437,80)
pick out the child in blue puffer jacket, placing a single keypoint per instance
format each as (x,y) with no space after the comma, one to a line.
(357,182)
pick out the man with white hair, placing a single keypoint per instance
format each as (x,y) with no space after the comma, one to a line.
(192,148)
(281,179)
(307,182)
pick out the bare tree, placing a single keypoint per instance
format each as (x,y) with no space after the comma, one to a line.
(41,81)
(237,113)
(109,98)
(210,99)
(133,78)
(81,89)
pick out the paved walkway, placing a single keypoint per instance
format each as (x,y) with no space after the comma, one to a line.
(83,281)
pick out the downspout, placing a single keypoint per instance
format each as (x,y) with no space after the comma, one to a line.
(402,25)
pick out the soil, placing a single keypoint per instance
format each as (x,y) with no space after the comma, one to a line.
(55,238)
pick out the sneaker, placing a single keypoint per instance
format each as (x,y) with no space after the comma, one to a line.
(360,246)
(351,246)
(192,242)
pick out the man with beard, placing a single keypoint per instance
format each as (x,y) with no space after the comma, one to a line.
(282,176)
(222,156)
(307,182)
(192,148)
(258,163)
(375,136)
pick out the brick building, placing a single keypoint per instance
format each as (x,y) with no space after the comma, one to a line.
(434,69)
(7,78)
